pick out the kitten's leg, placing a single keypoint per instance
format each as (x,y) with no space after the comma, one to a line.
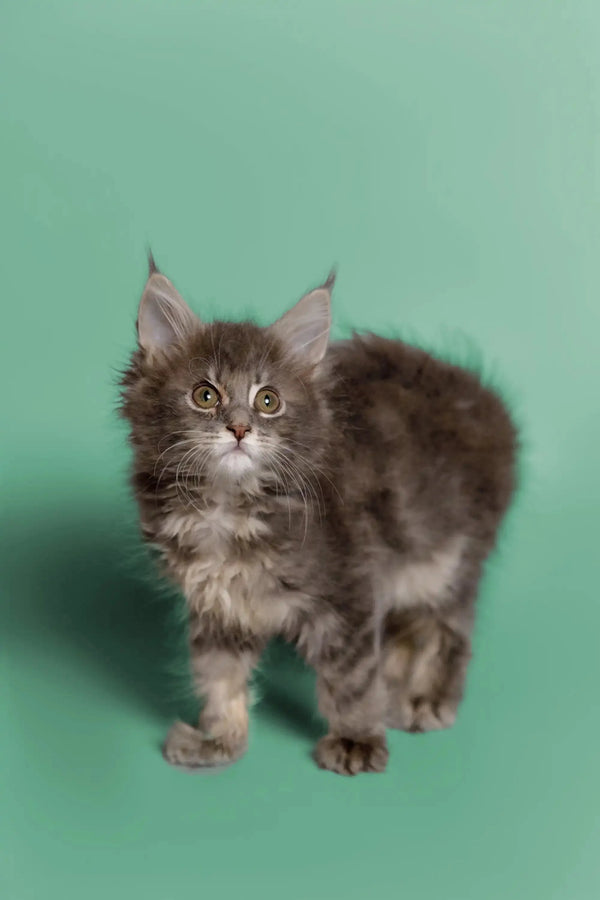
(352,698)
(221,678)
(425,663)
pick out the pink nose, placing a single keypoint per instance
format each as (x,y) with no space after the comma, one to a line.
(239,430)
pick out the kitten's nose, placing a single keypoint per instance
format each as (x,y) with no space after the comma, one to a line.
(239,430)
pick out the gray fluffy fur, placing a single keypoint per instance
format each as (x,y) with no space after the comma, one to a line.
(355,525)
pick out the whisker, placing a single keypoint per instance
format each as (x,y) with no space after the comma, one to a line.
(302,483)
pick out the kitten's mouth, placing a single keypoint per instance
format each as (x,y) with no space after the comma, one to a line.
(236,461)
(238,449)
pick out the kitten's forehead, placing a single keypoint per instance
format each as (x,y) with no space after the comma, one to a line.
(232,352)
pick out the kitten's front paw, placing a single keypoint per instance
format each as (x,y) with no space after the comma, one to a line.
(349,757)
(188,748)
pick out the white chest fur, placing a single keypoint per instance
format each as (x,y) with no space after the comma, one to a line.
(224,573)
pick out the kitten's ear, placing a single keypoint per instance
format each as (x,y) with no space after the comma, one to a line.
(305,327)
(164,318)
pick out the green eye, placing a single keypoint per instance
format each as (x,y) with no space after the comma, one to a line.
(267,401)
(206,396)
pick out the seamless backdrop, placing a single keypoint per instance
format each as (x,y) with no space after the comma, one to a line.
(445,156)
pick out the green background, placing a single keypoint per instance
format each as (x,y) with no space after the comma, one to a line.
(445,155)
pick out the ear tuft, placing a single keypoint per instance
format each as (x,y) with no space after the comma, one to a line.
(164,318)
(305,327)
(330,281)
(152,267)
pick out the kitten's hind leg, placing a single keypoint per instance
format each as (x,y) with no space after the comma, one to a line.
(425,663)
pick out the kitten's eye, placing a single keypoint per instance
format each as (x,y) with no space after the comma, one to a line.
(267,401)
(206,396)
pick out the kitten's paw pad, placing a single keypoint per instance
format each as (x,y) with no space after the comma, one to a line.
(187,747)
(427,716)
(349,757)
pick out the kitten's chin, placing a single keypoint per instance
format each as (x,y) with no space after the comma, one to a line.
(235,466)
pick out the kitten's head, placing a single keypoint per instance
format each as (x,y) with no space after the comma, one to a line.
(233,404)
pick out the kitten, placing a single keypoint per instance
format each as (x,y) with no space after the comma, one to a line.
(344,496)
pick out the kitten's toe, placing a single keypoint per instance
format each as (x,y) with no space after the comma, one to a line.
(349,757)
(399,715)
(428,716)
(188,748)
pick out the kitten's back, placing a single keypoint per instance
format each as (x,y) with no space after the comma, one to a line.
(431,429)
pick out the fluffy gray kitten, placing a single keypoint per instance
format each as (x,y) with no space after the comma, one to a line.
(343,495)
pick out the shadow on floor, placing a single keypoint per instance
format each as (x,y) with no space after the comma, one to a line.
(286,688)
(81,583)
